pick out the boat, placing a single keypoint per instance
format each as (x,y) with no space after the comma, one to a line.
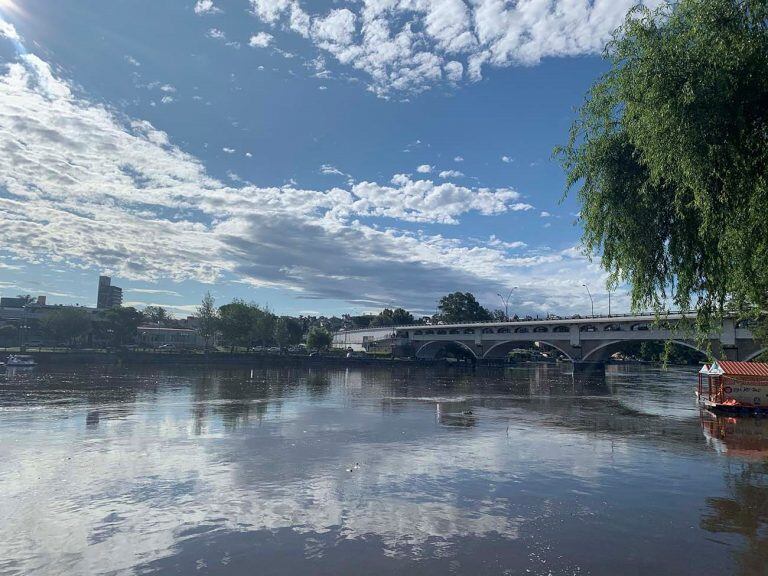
(729,386)
(20,360)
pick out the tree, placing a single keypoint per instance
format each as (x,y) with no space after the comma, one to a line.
(263,325)
(66,324)
(118,326)
(235,324)
(207,319)
(156,315)
(362,321)
(282,334)
(26,299)
(396,317)
(318,338)
(669,156)
(462,307)
(9,335)
(294,328)
(499,315)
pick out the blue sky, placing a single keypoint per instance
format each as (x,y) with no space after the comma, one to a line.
(318,157)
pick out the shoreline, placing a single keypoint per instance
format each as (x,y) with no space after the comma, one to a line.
(91,357)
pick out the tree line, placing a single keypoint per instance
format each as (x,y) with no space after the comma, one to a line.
(237,324)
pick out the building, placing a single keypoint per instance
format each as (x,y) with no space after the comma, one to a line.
(178,338)
(21,302)
(109,296)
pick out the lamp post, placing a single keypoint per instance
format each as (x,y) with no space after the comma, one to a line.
(592,302)
(22,343)
(505,301)
(609,302)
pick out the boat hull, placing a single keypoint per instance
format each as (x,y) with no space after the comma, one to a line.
(734,408)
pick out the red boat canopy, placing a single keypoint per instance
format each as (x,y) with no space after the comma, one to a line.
(730,368)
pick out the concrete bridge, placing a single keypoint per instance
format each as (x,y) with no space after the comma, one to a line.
(591,339)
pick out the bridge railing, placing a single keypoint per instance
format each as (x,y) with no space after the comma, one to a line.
(528,319)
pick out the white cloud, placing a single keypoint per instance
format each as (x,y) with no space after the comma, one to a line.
(545,214)
(217,34)
(451,174)
(228,150)
(337,29)
(206,7)
(454,71)
(84,189)
(153,291)
(260,40)
(458,159)
(424,169)
(7,30)
(329,169)
(167,99)
(497,242)
(409,45)
(507,159)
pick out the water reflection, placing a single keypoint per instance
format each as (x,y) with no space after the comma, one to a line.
(182,470)
(741,436)
(744,512)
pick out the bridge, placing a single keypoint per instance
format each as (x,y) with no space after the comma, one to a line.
(581,340)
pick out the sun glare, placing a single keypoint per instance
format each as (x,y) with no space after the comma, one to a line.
(9,7)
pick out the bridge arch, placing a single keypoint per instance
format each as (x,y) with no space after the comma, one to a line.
(498,347)
(430,349)
(590,356)
(756,354)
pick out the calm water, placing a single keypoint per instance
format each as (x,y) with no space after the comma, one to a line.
(410,471)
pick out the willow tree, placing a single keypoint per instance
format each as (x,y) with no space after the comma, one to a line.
(669,154)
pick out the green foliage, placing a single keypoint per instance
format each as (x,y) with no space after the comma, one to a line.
(499,315)
(118,325)
(263,325)
(235,323)
(462,307)
(156,315)
(396,317)
(66,324)
(288,331)
(669,156)
(25,299)
(9,335)
(319,338)
(207,318)
(362,321)
(282,334)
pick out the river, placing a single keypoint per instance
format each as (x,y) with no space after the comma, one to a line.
(180,470)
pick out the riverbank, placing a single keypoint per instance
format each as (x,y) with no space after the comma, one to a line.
(135,358)
(221,358)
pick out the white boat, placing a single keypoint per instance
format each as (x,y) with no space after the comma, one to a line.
(17,360)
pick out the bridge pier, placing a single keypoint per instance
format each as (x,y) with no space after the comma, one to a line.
(580,367)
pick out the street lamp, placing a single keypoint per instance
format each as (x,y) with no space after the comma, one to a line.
(22,328)
(505,301)
(609,302)
(592,302)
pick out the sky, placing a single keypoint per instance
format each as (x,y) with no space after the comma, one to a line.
(320,157)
